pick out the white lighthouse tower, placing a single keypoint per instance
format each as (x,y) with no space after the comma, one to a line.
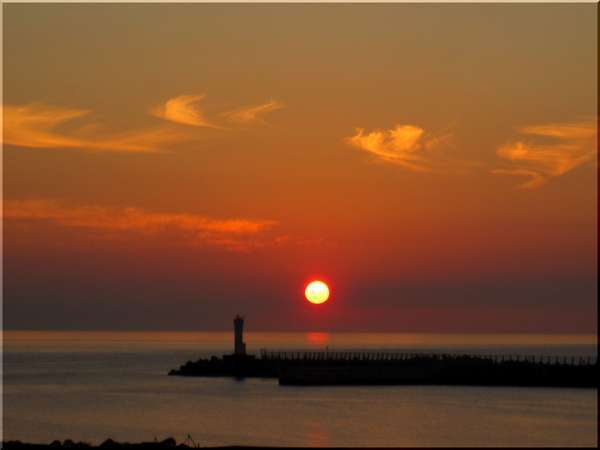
(239,347)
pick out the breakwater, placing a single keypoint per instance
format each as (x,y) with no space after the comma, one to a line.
(310,368)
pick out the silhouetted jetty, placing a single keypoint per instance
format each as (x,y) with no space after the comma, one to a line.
(441,369)
(397,368)
(314,368)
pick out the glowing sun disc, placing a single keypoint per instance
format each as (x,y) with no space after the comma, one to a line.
(316,292)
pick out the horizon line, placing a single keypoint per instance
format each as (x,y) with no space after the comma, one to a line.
(229,331)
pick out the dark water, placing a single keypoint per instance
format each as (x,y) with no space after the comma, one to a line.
(91,386)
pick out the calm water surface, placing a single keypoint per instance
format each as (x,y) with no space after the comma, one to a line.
(91,386)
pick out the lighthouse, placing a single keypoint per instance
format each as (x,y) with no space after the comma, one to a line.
(239,347)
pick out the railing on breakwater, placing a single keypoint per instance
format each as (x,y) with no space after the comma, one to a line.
(389,356)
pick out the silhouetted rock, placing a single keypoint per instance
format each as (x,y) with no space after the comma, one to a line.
(109,443)
(169,442)
(12,444)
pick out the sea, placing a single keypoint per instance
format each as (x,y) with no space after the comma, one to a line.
(90,386)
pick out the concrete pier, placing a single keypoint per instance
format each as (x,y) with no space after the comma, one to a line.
(310,368)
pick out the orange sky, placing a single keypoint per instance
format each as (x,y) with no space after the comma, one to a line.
(168,166)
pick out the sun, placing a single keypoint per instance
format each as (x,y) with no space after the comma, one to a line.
(316,292)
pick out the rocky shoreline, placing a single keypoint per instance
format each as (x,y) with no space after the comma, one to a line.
(109,444)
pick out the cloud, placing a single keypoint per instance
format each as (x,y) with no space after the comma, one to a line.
(408,146)
(36,125)
(184,109)
(232,234)
(558,149)
(39,125)
(253,114)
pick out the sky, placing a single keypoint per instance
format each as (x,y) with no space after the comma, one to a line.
(170,166)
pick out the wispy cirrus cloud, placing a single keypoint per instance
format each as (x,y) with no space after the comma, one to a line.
(253,114)
(408,146)
(37,125)
(558,149)
(231,234)
(184,109)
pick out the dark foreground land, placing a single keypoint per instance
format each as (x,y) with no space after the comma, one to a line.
(380,368)
(109,444)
